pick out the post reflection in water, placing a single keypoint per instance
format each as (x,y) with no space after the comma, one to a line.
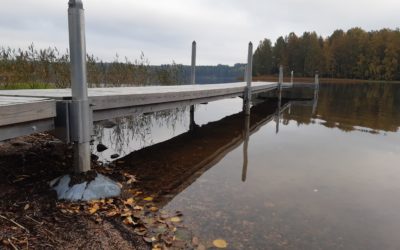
(246,137)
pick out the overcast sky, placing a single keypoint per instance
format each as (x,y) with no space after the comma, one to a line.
(164,29)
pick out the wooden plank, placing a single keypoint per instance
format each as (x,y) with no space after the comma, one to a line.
(21,109)
(112,98)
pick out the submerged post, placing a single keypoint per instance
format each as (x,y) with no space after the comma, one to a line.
(316,89)
(80,111)
(291,77)
(316,80)
(249,69)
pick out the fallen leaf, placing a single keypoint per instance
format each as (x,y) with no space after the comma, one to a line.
(140,231)
(94,209)
(26,207)
(157,247)
(129,221)
(148,198)
(153,209)
(129,201)
(149,239)
(111,213)
(126,214)
(220,243)
(175,219)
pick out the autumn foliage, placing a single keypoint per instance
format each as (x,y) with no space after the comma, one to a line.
(354,54)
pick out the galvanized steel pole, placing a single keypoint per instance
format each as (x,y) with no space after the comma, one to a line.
(249,69)
(80,111)
(192,125)
(280,77)
(193,73)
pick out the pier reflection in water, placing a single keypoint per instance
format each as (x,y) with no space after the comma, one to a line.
(328,180)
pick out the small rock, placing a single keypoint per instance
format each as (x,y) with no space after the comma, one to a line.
(101,147)
(113,156)
(94,157)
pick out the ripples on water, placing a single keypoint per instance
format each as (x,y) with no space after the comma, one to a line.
(321,175)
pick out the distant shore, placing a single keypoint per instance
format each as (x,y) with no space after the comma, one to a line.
(321,80)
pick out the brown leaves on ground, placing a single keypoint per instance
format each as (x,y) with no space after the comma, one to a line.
(161,229)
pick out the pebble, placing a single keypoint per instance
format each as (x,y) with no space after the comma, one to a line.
(113,156)
(101,147)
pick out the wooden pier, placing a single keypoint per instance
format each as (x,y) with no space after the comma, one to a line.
(30,108)
(25,115)
(71,112)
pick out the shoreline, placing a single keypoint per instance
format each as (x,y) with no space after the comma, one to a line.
(321,80)
(32,217)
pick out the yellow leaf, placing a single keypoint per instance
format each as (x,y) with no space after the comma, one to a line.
(175,219)
(154,209)
(220,243)
(148,198)
(129,201)
(94,209)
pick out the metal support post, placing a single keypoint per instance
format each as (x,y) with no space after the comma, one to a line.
(193,73)
(80,110)
(280,80)
(193,81)
(249,69)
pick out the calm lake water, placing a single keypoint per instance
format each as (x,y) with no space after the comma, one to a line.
(317,174)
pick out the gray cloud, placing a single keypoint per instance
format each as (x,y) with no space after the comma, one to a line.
(164,30)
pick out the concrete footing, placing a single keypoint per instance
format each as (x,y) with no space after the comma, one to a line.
(99,188)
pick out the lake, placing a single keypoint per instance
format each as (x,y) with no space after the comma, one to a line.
(306,174)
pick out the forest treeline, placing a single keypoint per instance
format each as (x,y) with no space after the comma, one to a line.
(355,54)
(42,68)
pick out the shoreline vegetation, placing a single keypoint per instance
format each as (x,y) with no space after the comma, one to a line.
(355,56)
